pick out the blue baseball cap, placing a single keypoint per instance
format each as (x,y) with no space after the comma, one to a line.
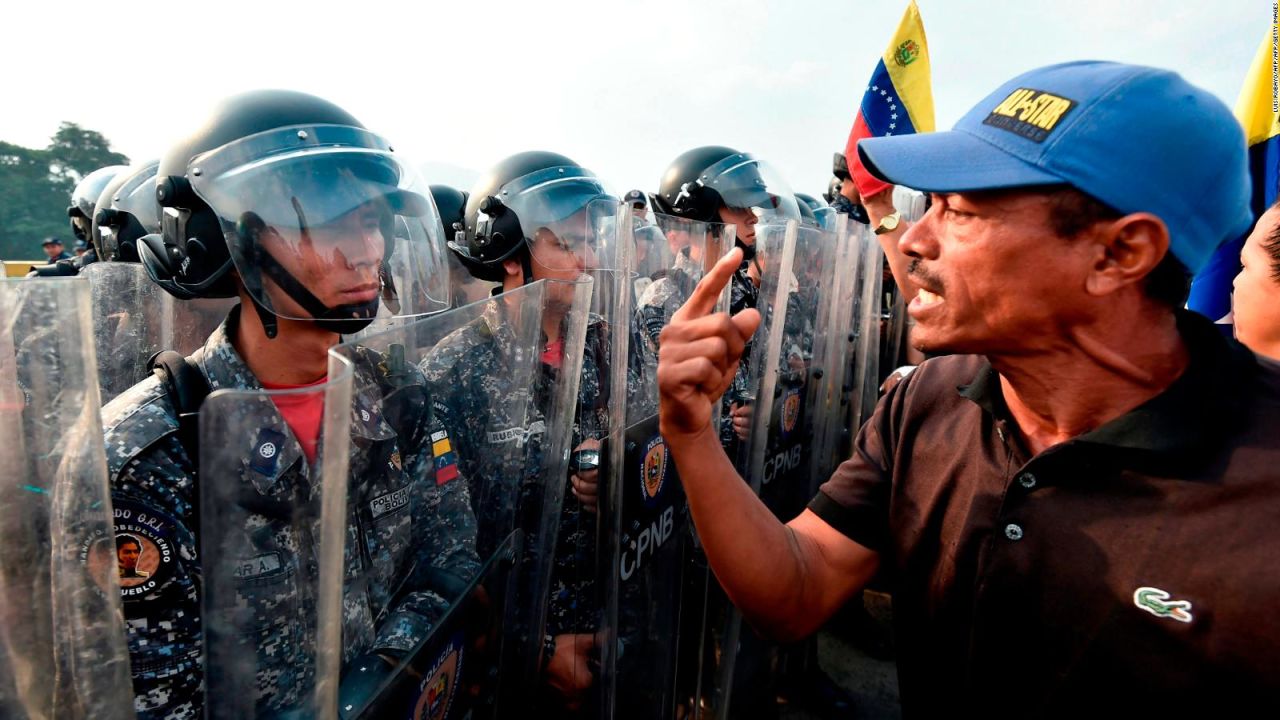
(1139,139)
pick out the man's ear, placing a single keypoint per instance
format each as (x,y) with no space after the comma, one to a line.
(1127,250)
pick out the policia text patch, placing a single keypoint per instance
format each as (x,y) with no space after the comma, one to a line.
(1032,114)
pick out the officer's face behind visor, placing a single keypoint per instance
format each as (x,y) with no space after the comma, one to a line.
(564,250)
(337,261)
(744,221)
(324,222)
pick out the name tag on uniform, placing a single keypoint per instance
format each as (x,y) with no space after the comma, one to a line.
(389,503)
(259,566)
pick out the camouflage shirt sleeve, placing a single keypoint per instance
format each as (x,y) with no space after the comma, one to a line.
(444,537)
(152,490)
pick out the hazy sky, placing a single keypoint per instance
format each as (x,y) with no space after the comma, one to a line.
(621,87)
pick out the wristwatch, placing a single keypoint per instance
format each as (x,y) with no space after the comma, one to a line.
(889,223)
(583,460)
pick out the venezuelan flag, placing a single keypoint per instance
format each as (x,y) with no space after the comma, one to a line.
(898,99)
(1257,111)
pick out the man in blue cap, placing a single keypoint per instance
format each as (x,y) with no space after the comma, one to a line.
(1076,507)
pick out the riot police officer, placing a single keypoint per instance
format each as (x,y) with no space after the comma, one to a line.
(84,200)
(534,216)
(716,184)
(80,211)
(287,202)
(842,193)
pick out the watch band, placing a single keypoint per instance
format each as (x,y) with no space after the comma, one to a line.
(889,223)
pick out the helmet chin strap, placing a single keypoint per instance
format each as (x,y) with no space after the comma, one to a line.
(748,251)
(344,319)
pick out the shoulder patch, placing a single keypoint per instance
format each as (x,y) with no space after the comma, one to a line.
(136,419)
(143,553)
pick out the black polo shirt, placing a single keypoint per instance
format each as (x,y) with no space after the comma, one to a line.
(1134,568)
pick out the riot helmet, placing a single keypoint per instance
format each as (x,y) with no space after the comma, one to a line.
(833,190)
(823,214)
(536,207)
(840,167)
(451,203)
(840,203)
(318,216)
(85,197)
(701,181)
(806,213)
(126,211)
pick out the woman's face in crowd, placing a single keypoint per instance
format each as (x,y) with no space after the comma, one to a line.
(1256,301)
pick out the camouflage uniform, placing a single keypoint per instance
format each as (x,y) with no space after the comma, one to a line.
(664,297)
(396,555)
(842,204)
(573,572)
(474,374)
(470,362)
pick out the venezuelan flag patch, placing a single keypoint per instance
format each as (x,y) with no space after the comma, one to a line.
(446,467)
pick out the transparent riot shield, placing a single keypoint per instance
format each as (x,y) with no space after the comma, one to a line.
(553,410)
(652,587)
(792,442)
(577,636)
(866,367)
(803,377)
(471,381)
(829,421)
(133,319)
(769,393)
(282,605)
(62,636)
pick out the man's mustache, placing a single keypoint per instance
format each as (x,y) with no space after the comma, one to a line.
(924,278)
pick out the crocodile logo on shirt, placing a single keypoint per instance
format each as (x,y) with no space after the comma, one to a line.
(1157,602)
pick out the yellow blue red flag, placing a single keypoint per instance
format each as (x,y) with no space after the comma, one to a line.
(898,99)
(1258,110)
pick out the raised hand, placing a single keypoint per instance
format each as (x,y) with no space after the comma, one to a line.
(699,353)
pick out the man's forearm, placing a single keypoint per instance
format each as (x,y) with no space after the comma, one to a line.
(753,554)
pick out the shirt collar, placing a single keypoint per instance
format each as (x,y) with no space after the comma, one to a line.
(258,445)
(1189,418)
(260,418)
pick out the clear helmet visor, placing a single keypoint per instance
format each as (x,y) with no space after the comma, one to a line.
(325,222)
(132,212)
(826,217)
(689,243)
(743,181)
(564,214)
(85,195)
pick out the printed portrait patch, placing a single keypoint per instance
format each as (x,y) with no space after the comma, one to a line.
(141,550)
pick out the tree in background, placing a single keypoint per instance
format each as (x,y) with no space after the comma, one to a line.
(36,185)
